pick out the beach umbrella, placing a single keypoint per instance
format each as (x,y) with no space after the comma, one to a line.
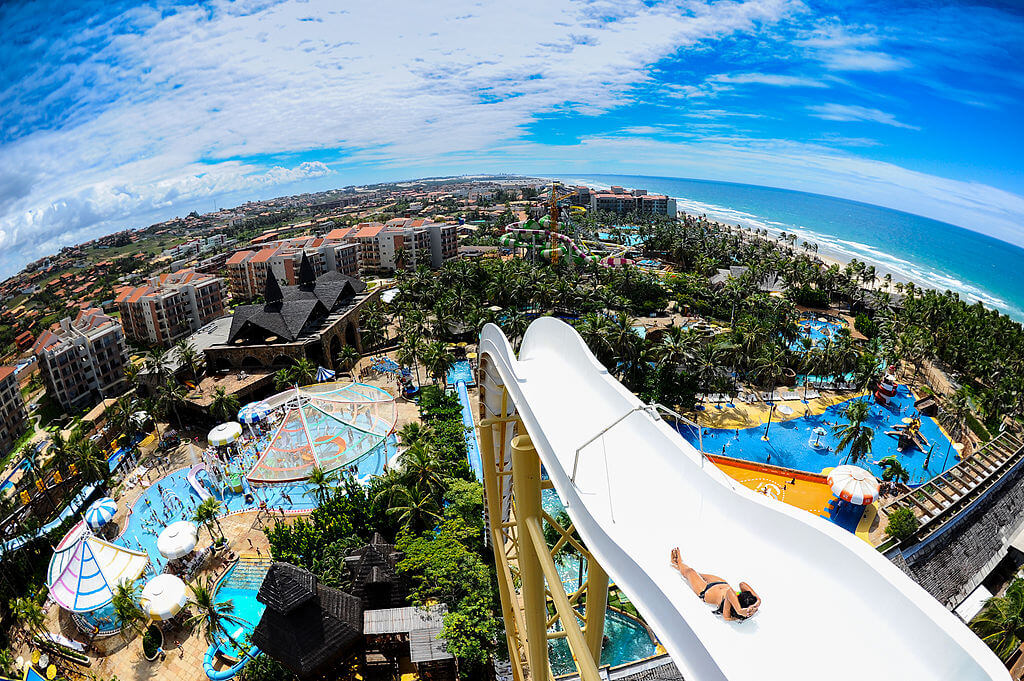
(100,512)
(254,412)
(853,484)
(323,375)
(177,539)
(225,434)
(163,597)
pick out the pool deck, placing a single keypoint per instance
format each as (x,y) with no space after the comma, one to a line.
(807,491)
(743,415)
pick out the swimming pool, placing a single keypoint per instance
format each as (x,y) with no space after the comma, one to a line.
(240,584)
(627,641)
(790,441)
(461,371)
(817,331)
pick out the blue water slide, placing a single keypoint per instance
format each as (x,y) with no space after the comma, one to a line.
(230,672)
(472,449)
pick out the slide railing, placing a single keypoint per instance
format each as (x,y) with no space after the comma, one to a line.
(833,608)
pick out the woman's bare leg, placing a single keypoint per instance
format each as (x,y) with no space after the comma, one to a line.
(697,582)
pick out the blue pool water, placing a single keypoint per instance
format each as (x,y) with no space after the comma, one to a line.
(240,586)
(817,331)
(790,441)
(472,449)
(628,641)
(461,371)
(640,331)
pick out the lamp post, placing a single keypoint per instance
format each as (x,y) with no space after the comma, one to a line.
(959,447)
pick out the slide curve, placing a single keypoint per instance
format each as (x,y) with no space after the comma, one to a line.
(193,479)
(230,672)
(833,607)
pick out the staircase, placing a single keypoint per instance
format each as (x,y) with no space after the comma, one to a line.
(248,573)
(944,497)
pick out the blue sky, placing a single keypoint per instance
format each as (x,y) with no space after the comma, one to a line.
(117,114)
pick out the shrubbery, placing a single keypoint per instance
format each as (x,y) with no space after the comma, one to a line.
(902,524)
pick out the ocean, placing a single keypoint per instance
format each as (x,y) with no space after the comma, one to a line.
(930,253)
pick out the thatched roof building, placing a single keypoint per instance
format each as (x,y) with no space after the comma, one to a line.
(306,627)
(373,574)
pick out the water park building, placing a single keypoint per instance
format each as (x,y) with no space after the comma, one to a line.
(170,306)
(622,201)
(82,360)
(312,320)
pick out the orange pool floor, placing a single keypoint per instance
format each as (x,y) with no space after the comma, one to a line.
(808,491)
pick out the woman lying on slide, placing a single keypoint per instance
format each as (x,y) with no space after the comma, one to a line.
(712,589)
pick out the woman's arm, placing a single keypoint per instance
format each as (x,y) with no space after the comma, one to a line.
(731,605)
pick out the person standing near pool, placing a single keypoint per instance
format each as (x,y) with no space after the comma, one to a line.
(712,589)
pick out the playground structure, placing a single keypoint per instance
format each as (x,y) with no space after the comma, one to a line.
(909,435)
(633,489)
(886,390)
(540,236)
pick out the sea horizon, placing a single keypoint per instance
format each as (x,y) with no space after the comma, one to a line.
(930,253)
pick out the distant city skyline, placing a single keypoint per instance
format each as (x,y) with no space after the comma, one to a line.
(116,115)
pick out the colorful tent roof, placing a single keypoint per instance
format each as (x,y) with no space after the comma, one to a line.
(326,426)
(84,570)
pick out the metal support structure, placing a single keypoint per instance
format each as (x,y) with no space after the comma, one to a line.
(533,597)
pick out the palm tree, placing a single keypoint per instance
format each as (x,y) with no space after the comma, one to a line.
(282,379)
(214,616)
(189,359)
(323,484)
(303,372)
(207,514)
(893,470)
(413,432)
(27,612)
(170,397)
(410,349)
(347,357)
(90,461)
(223,406)
(1000,623)
(128,614)
(437,360)
(422,471)
(416,511)
(854,435)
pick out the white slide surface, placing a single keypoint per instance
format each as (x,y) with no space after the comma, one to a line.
(197,486)
(832,607)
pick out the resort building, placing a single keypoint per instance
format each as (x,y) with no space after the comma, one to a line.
(401,243)
(13,416)
(171,306)
(622,201)
(82,360)
(311,320)
(247,270)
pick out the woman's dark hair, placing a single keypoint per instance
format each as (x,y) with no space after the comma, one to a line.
(746,599)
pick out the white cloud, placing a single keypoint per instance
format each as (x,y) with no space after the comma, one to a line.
(851,112)
(775,79)
(843,49)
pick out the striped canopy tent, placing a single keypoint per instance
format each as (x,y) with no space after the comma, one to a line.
(254,412)
(163,597)
(326,426)
(225,434)
(323,375)
(85,570)
(100,512)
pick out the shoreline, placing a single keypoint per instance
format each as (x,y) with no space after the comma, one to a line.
(921,275)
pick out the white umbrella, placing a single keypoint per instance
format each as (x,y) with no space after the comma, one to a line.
(853,484)
(177,539)
(163,597)
(100,512)
(225,434)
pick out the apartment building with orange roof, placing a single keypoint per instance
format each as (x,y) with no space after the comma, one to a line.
(248,269)
(169,307)
(82,359)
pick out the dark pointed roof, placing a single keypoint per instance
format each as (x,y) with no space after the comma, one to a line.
(305,627)
(286,587)
(289,309)
(307,277)
(272,290)
(374,575)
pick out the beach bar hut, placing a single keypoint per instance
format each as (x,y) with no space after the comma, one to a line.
(85,570)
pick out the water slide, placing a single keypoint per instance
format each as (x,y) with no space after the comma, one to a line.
(193,479)
(833,607)
(230,672)
(472,450)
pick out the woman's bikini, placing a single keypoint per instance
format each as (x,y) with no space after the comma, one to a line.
(721,605)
